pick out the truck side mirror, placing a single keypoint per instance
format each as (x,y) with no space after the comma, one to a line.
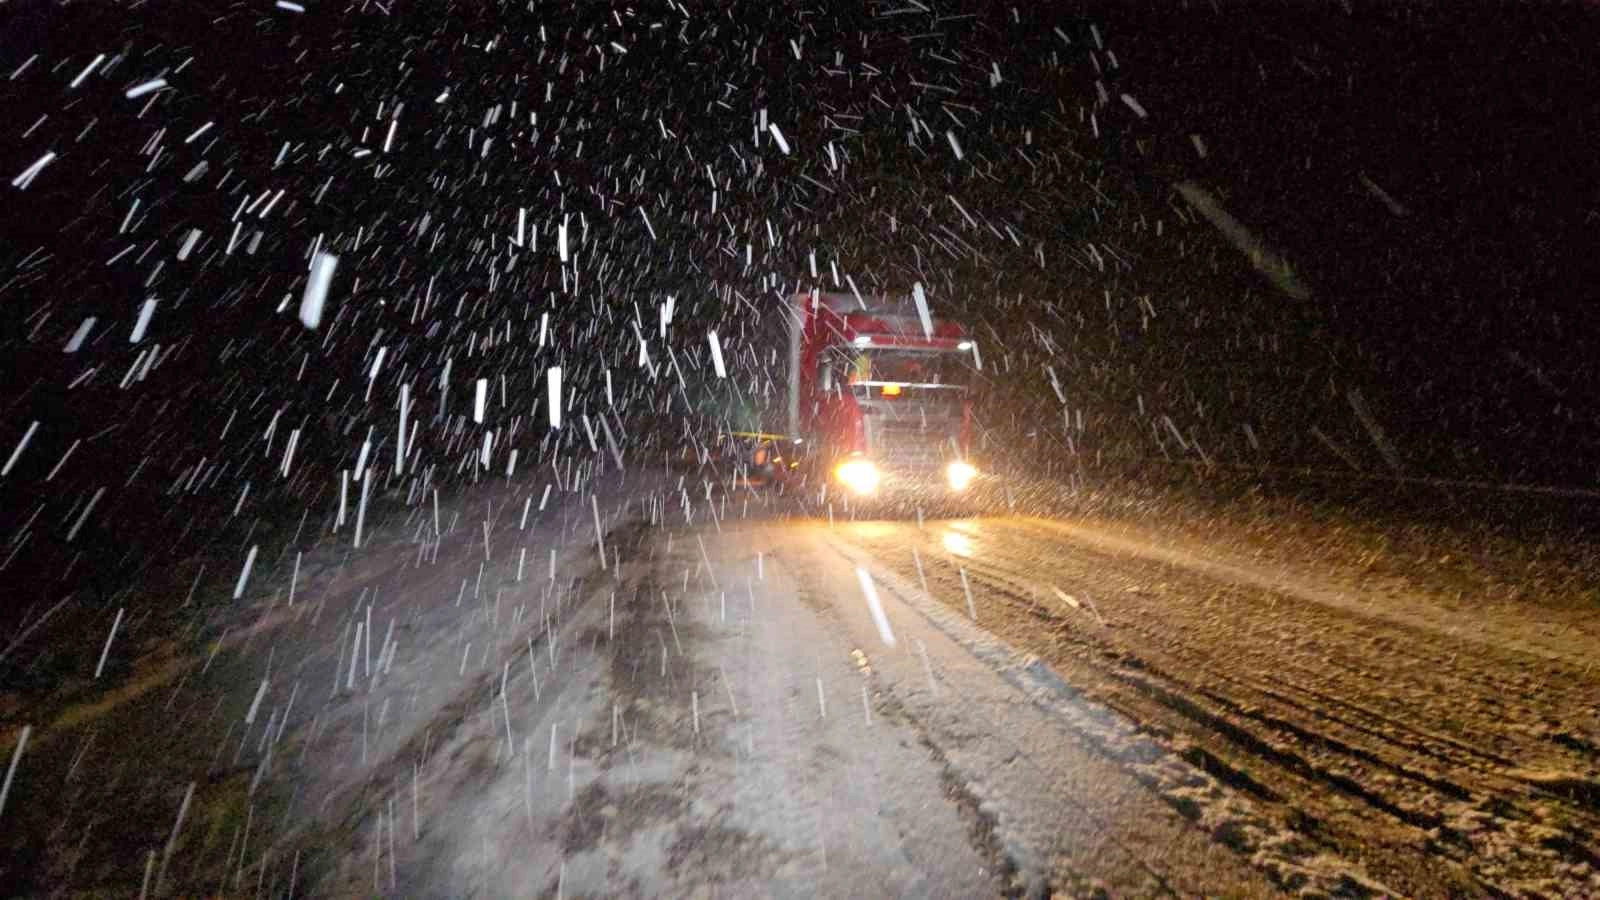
(827,378)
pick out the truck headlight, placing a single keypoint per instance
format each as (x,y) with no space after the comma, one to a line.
(859,475)
(960,474)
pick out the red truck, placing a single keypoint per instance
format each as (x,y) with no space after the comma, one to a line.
(878,397)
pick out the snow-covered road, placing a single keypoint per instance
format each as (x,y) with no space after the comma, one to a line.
(474,704)
(740,726)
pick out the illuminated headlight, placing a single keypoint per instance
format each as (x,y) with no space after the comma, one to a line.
(864,340)
(964,345)
(960,474)
(859,475)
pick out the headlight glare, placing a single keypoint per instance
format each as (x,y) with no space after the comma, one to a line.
(960,475)
(859,475)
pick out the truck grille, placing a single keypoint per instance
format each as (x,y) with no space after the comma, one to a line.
(906,443)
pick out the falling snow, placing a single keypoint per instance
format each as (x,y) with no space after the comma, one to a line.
(923,449)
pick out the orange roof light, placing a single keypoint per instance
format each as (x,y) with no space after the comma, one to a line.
(891,390)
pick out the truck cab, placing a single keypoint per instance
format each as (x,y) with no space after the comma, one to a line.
(881,396)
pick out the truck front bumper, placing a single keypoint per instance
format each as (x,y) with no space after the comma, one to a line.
(863,478)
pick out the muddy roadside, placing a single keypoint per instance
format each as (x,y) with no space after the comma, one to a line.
(1453,753)
(1480,545)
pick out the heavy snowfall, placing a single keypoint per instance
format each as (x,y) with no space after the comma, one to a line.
(887,449)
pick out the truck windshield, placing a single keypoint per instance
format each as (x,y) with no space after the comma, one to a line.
(927,368)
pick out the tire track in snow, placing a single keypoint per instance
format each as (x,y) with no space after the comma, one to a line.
(1430,788)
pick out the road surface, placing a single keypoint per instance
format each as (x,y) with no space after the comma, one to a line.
(494,701)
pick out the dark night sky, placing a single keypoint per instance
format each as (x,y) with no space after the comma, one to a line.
(1474,313)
